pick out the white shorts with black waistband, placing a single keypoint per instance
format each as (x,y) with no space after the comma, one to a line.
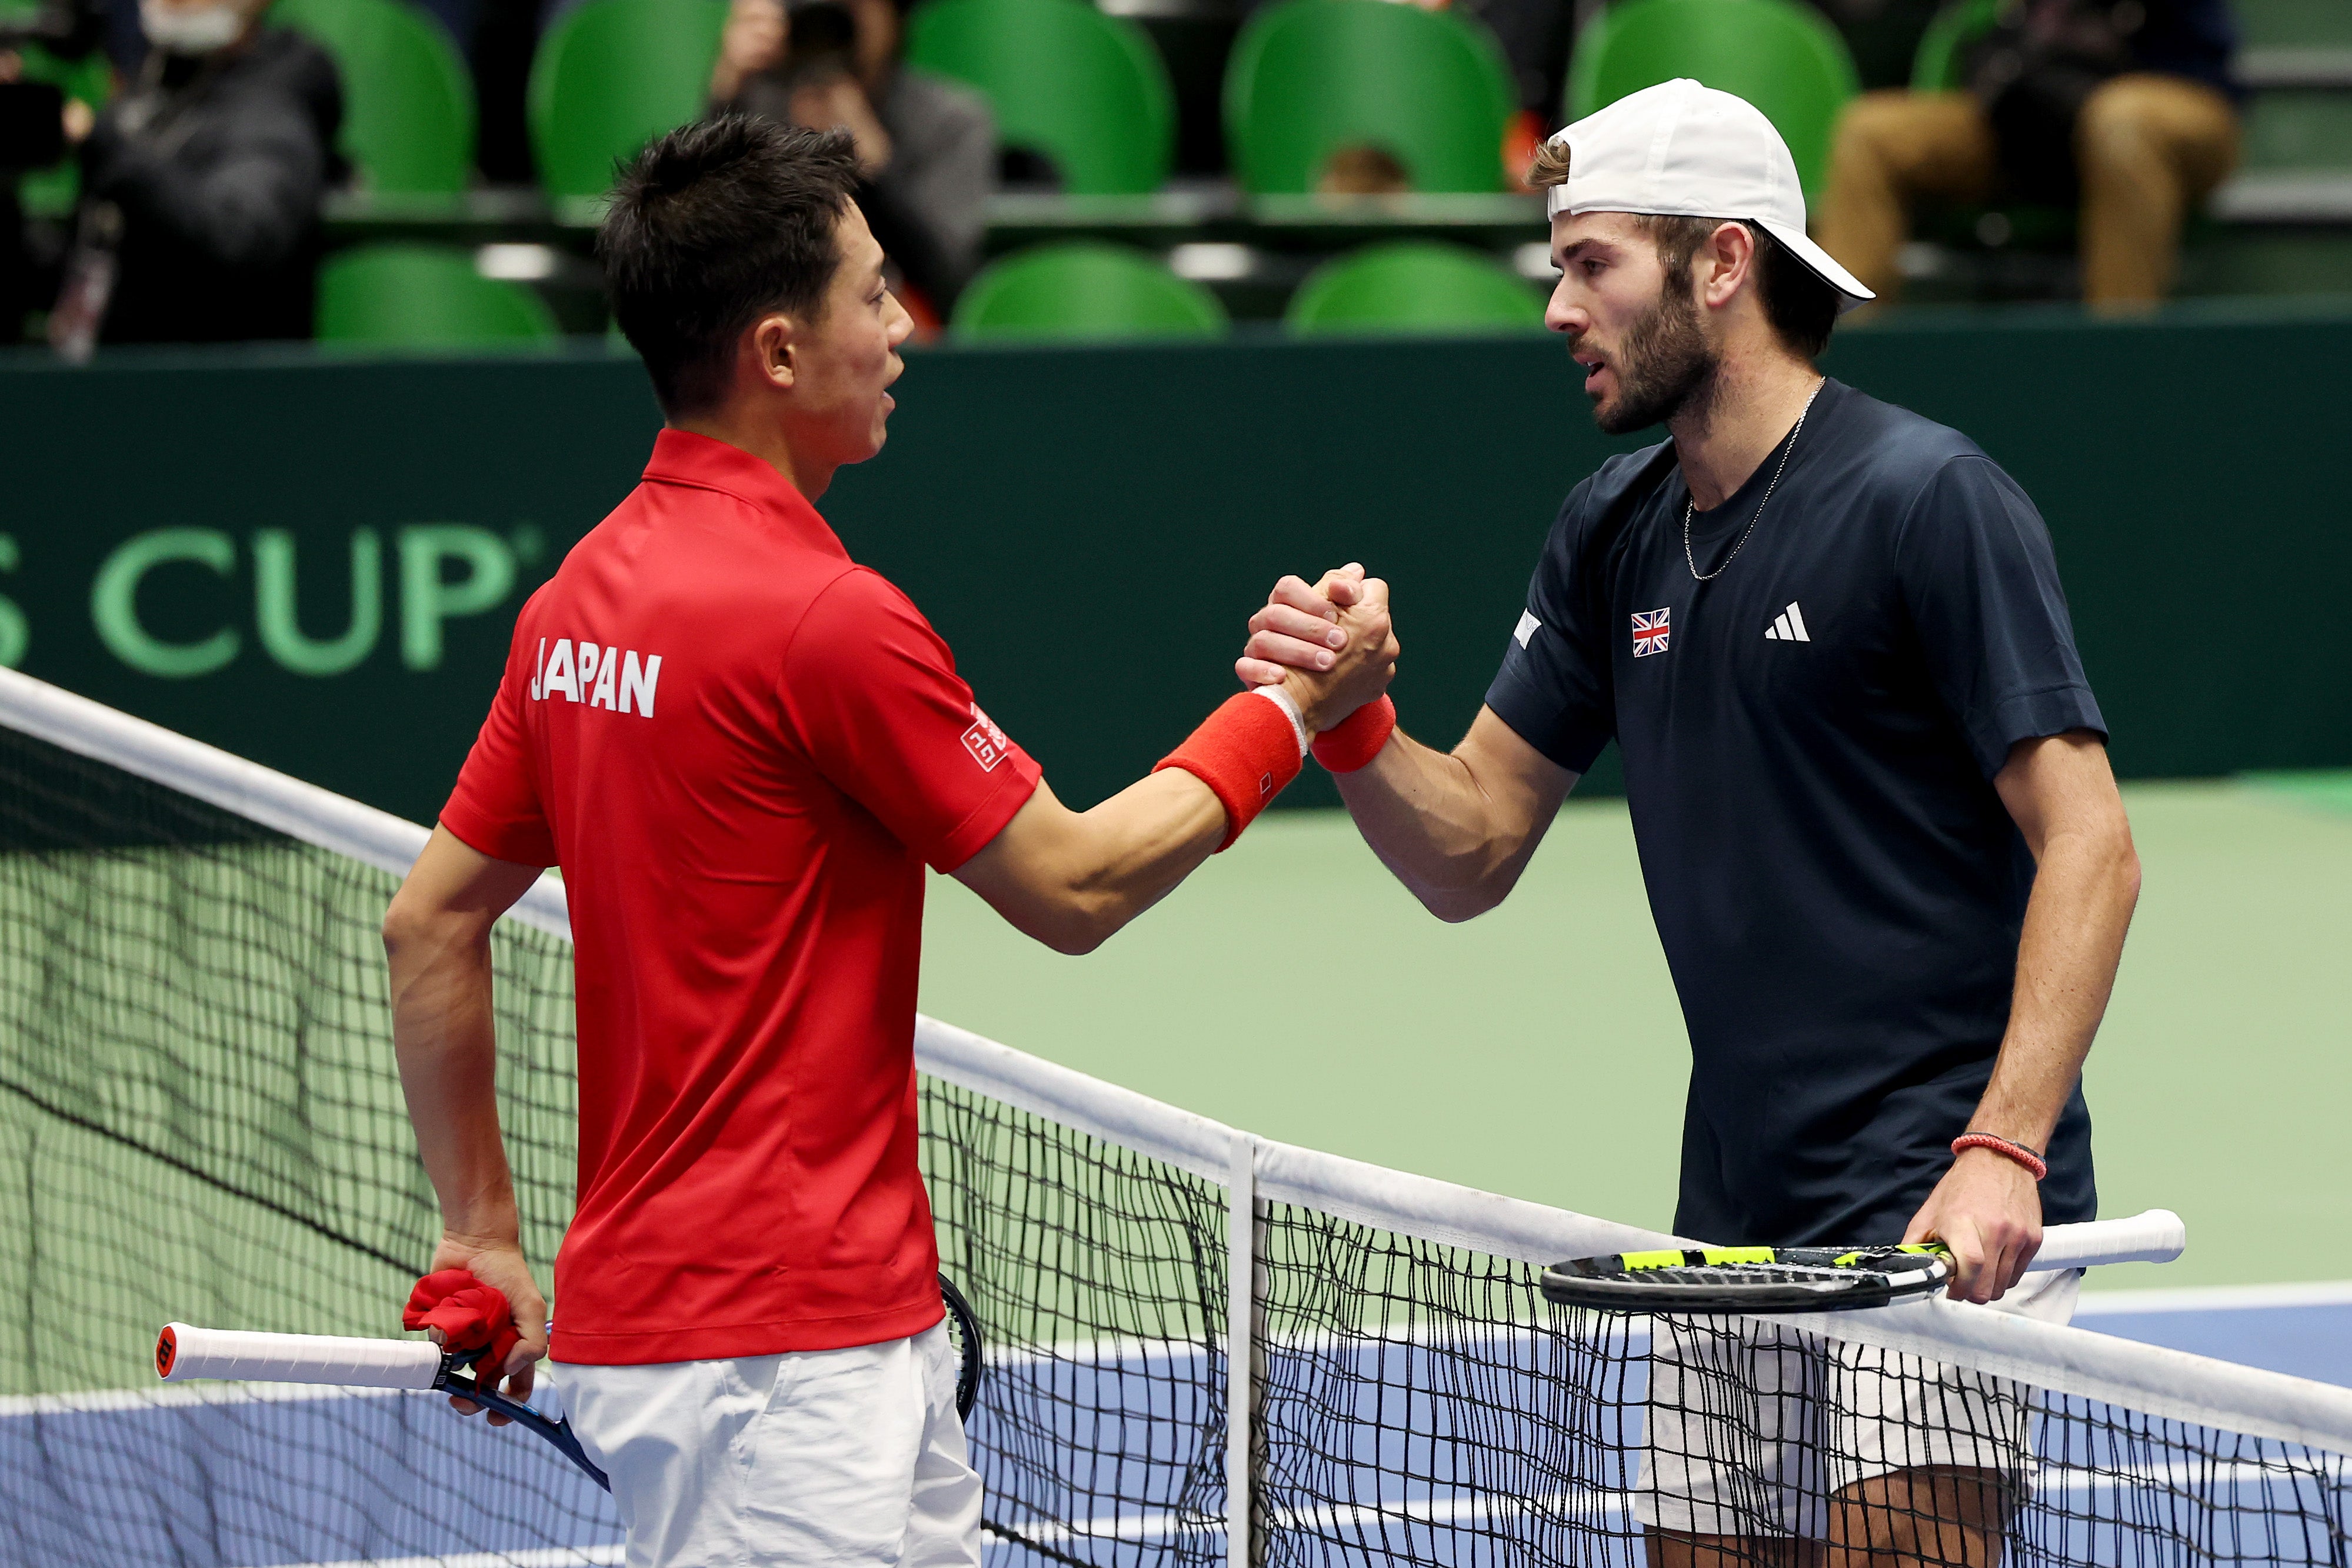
(1750,1429)
(852,1456)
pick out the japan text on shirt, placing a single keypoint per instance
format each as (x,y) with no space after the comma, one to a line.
(605,676)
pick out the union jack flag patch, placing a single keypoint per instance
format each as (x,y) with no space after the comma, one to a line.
(1650,632)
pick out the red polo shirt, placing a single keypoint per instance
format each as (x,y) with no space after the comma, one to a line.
(741,748)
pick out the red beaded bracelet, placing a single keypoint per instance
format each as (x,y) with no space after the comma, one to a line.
(2018,1152)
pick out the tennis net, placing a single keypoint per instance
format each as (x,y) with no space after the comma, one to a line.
(1204,1347)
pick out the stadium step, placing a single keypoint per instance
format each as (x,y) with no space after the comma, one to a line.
(2266,24)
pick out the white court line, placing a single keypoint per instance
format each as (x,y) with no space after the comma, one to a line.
(2178,1477)
(1593,1502)
(532,1557)
(171,1395)
(2216,1298)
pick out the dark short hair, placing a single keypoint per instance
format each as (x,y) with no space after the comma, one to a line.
(1802,305)
(713,227)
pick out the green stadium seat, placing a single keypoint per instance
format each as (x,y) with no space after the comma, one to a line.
(424,296)
(1413,286)
(1936,67)
(1084,289)
(1086,91)
(612,76)
(408,101)
(1308,77)
(1779,54)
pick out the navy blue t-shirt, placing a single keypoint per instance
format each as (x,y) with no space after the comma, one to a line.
(1809,742)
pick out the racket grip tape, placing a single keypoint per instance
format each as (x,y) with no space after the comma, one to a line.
(184,1352)
(2156,1237)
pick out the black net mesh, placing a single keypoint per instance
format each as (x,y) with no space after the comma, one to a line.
(200,1120)
(1099,1277)
(1421,1403)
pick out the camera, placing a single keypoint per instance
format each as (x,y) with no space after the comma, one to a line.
(823,41)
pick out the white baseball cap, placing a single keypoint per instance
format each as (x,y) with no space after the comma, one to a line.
(1686,150)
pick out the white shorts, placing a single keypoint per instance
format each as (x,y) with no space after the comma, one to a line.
(811,1457)
(1750,1429)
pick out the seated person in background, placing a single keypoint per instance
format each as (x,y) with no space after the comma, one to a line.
(38,123)
(203,184)
(926,147)
(1360,169)
(2124,105)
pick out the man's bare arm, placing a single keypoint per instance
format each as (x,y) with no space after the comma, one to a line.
(1071,879)
(2061,794)
(1456,828)
(436,938)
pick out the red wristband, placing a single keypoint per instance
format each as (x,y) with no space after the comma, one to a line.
(2002,1146)
(1355,740)
(1244,752)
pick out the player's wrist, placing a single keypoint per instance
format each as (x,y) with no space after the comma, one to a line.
(1281,699)
(476,1239)
(1993,1145)
(1354,741)
(1246,752)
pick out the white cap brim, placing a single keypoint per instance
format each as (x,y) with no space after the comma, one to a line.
(1823,264)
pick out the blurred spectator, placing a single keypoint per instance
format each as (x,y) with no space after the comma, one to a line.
(1360,169)
(202,186)
(928,146)
(1535,35)
(38,122)
(2124,106)
(501,38)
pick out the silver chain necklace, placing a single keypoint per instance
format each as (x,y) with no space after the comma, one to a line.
(1690,507)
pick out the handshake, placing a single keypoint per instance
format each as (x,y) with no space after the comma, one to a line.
(1330,647)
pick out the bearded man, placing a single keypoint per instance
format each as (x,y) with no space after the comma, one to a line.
(1869,783)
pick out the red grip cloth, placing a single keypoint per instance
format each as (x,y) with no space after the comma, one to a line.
(1244,752)
(1355,740)
(469,1314)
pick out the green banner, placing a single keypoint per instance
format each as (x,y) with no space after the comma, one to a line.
(316,561)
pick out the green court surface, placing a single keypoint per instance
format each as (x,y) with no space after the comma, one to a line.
(1294,988)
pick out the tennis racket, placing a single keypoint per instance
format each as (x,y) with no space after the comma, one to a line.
(185,1352)
(1766,1279)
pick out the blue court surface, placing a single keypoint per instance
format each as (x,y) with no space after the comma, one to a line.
(1449,1458)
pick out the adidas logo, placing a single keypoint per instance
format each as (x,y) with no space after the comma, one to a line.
(1788,626)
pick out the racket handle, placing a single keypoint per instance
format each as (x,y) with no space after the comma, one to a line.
(184,1352)
(2157,1237)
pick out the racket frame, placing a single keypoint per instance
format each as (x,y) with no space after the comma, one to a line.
(967,1333)
(453,1381)
(460,1378)
(1612,1282)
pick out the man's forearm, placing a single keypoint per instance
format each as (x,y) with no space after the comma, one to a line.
(1457,834)
(1071,879)
(2083,891)
(1133,849)
(446,1041)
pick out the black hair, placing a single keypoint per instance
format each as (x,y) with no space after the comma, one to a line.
(713,227)
(1802,305)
